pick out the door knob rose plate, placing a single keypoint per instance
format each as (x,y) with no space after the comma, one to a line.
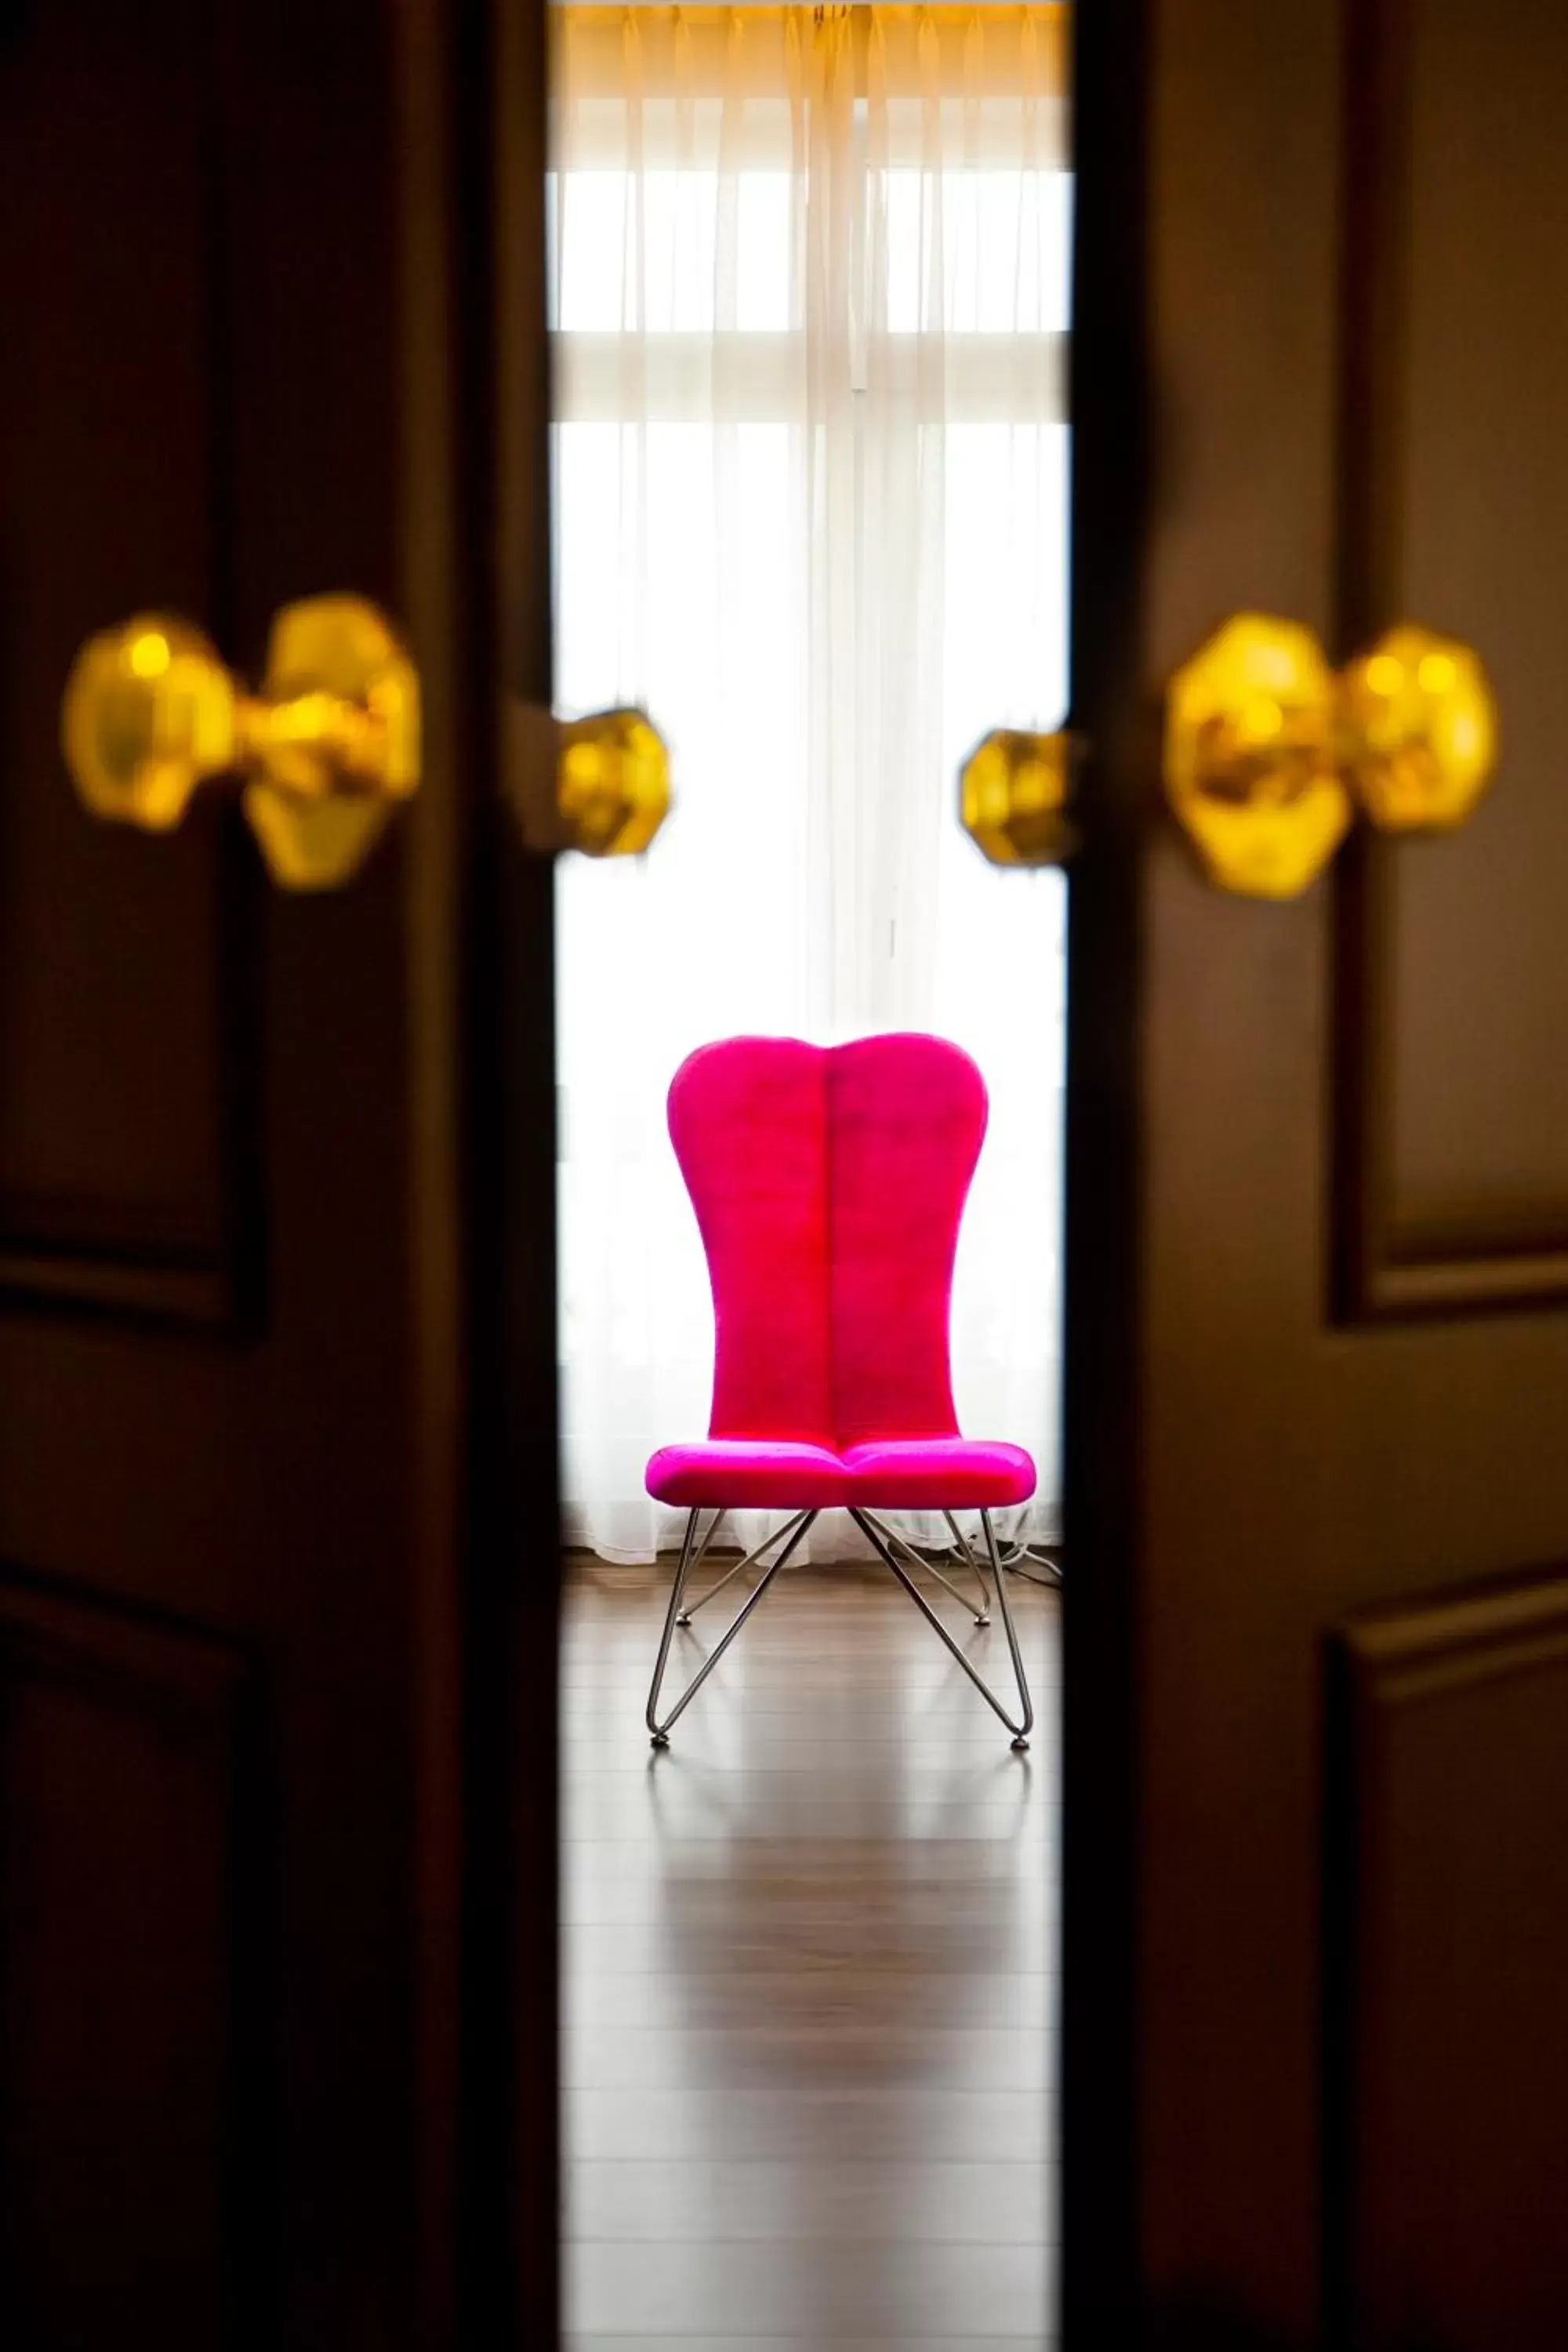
(1250,770)
(340,743)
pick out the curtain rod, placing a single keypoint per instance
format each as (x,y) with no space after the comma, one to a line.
(1003,50)
(825,8)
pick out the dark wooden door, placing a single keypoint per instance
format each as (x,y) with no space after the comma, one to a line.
(270,1386)
(1316,1687)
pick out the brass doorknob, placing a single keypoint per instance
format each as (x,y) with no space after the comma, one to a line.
(1014,790)
(612,783)
(599,784)
(326,750)
(1418,732)
(1270,754)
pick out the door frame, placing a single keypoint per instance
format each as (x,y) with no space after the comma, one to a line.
(479,908)
(1098,2294)
(511,1985)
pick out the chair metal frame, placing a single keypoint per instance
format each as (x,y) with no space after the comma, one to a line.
(894,1552)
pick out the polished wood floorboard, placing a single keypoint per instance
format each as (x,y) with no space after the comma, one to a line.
(809,1958)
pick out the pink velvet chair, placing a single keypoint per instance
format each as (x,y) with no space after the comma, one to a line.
(829,1184)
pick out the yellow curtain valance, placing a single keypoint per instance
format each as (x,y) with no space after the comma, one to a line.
(693,53)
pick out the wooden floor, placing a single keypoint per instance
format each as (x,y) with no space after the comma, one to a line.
(810,1980)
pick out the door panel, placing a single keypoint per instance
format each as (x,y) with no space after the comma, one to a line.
(1446,2058)
(134,2179)
(1277,1153)
(1455,1183)
(115,295)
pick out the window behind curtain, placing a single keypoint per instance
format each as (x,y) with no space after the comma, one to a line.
(811,292)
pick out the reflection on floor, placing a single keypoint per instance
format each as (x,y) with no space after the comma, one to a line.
(810,1980)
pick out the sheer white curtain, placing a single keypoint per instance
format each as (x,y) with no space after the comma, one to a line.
(811,295)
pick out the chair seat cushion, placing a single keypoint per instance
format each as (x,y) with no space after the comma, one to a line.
(953,1473)
(773,1474)
(938,1474)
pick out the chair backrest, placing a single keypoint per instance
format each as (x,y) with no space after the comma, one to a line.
(828,1183)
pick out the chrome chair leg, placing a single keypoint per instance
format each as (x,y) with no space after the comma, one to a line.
(671,1619)
(1019,1730)
(999,1577)
(981,1615)
(793,1530)
(729,1575)
(700,1554)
